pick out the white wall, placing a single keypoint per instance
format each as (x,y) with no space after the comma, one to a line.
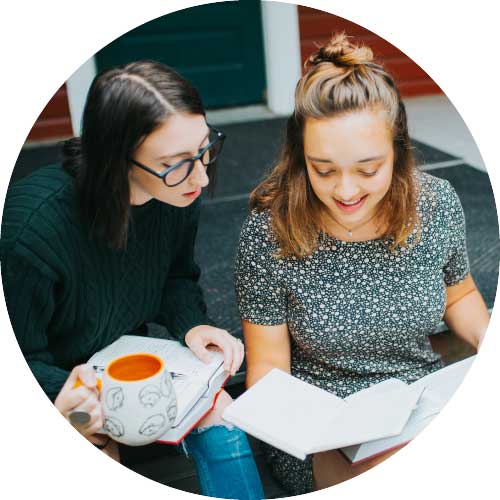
(280,23)
(77,86)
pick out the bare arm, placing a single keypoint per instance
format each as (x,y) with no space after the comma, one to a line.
(266,347)
(466,313)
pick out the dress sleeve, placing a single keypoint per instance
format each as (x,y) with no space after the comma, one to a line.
(260,295)
(183,306)
(29,295)
(457,266)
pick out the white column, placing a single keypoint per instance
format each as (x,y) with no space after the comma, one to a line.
(78,86)
(280,23)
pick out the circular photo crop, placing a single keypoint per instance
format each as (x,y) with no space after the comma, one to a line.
(286,208)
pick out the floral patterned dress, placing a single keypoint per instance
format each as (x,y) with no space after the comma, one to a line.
(357,312)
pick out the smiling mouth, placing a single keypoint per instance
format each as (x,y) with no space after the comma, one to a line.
(350,206)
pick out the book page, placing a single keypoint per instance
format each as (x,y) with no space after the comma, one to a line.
(178,359)
(377,412)
(300,418)
(384,387)
(285,412)
(444,382)
(358,452)
(438,387)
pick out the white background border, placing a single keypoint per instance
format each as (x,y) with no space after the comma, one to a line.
(42,45)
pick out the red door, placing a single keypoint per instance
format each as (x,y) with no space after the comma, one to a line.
(318,26)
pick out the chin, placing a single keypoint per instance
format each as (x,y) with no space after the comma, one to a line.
(180,203)
(184,202)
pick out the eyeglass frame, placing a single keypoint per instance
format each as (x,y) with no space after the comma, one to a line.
(163,175)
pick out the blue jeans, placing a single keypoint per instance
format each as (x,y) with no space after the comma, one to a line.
(224,463)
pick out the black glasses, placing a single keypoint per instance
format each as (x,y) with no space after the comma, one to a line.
(180,171)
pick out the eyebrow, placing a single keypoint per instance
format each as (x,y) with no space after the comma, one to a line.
(363,160)
(173,155)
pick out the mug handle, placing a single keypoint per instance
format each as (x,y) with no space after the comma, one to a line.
(78,383)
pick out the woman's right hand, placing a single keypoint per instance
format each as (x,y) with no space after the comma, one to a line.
(84,398)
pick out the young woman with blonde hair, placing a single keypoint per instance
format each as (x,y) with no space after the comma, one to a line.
(351,256)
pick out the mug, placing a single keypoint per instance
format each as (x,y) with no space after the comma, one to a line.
(138,399)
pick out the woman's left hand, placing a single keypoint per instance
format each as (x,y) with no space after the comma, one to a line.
(202,336)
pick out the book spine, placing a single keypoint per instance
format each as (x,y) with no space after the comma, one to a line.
(194,425)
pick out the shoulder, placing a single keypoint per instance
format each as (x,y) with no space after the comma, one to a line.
(257,225)
(436,195)
(257,236)
(38,206)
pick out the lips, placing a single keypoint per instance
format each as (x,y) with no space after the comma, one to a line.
(193,194)
(351,205)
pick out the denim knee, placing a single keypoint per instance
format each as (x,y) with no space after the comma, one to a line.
(224,462)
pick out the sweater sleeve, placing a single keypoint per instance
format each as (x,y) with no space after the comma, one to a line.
(29,295)
(183,306)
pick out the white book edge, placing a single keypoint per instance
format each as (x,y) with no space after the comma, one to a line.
(295,451)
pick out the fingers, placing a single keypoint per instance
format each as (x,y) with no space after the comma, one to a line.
(241,355)
(84,398)
(72,379)
(232,348)
(93,408)
(238,355)
(87,376)
(198,347)
(232,357)
(226,345)
(70,398)
(82,373)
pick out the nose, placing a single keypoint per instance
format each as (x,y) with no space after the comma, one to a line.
(199,177)
(346,188)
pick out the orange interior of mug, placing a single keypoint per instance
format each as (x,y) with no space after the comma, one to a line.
(134,367)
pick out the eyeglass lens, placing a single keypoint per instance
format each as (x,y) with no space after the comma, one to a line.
(177,175)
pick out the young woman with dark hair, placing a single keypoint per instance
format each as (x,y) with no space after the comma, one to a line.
(351,256)
(104,246)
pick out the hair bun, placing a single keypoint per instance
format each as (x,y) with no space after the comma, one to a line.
(341,52)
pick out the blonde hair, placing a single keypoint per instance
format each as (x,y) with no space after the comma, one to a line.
(341,78)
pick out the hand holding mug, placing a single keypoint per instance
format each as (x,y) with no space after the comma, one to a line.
(78,401)
(137,399)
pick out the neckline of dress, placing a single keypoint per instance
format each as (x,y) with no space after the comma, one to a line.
(338,241)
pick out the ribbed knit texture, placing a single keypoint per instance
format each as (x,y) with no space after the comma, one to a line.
(69,295)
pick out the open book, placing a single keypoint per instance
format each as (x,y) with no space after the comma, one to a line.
(439,388)
(302,419)
(196,384)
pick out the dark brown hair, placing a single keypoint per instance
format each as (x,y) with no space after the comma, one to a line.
(342,78)
(123,106)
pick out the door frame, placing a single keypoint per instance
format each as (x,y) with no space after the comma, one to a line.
(282,73)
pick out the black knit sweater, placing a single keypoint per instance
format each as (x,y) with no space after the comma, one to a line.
(69,295)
